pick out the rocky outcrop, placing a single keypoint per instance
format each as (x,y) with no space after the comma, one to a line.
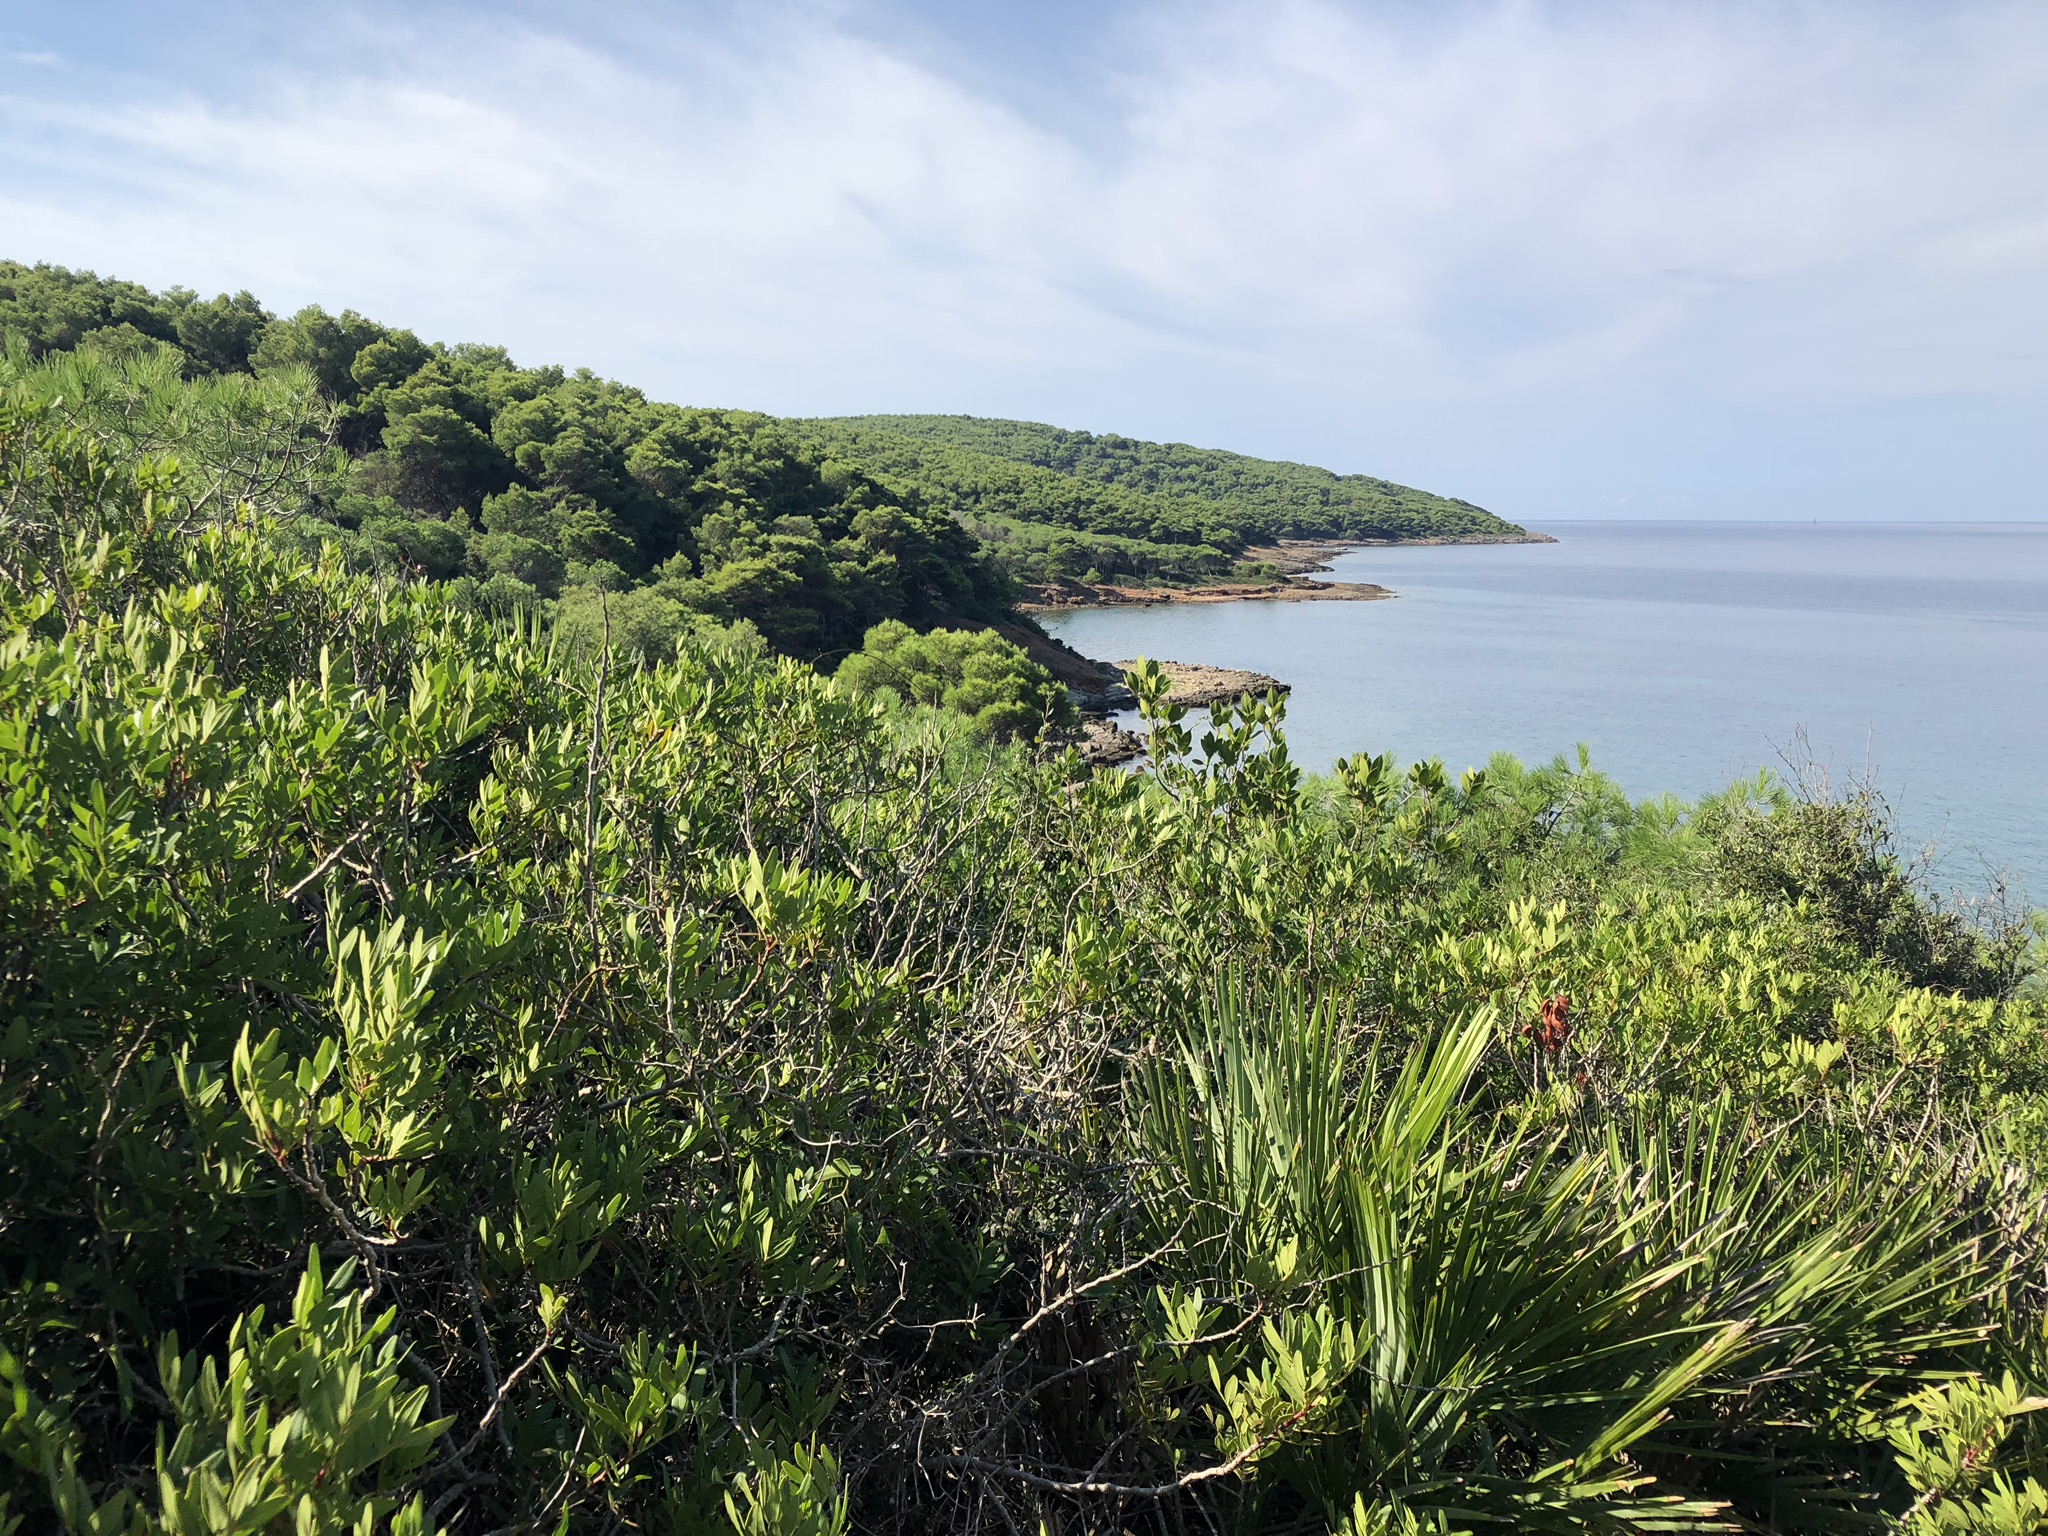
(1198,686)
(1290,589)
(1104,743)
(1098,687)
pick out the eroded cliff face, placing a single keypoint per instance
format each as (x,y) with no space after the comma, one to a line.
(1097,687)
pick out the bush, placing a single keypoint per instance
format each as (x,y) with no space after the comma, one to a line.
(1836,854)
(644,626)
(976,673)
(432,548)
(522,559)
(452,1083)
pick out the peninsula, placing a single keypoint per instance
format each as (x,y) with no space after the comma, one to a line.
(1081,519)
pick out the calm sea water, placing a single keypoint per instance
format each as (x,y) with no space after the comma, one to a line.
(1685,655)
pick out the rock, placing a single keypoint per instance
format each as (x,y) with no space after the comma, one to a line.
(1285,589)
(1104,743)
(1198,686)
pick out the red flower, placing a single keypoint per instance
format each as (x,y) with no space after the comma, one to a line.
(1553,1026)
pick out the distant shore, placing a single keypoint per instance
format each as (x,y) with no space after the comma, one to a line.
(1288,589)
(1294,560)
(1524,537)
(1099,687)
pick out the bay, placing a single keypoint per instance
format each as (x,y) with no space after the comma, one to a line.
(1684,656)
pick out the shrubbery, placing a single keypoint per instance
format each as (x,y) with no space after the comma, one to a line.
(458,1074)
(975,673)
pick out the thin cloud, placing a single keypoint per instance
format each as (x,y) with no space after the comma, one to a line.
(1335,209)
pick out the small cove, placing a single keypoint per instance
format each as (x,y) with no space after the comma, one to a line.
(1685,655)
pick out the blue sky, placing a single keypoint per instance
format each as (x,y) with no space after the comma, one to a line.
(1564,260)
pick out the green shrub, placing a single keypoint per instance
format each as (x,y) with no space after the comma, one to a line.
(976,673)
(1836,855)
(451,1079)
(433,548)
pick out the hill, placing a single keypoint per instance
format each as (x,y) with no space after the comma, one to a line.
(549,486)
(525,485)
(1264,499)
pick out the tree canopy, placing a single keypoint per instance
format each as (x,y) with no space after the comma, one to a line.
(1162,492)
(527,483)
(524,484)
(977,674)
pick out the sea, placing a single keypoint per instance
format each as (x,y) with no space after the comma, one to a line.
(1683,656)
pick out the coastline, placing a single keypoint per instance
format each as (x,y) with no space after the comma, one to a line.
(1098,688)
(1197,685)
(1295,560)
(1104,743)
(1071,595)
(1524,537)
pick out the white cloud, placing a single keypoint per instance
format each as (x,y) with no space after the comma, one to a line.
(1297,206)
(1525,201)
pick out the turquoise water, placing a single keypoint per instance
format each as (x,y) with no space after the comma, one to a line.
(1685,655)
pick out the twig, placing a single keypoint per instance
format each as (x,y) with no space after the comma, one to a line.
(326,863)
(483,1344)
(498,1399)
(1122,1490)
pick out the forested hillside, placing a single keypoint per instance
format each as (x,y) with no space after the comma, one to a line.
(461,1075)
(1053,505)
(537,485)
(1258,499)
(531,483)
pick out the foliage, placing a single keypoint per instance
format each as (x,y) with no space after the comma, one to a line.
(975,673)
(1258,500)
(460,1072)
(310,1420)
(453,462)
(52,310)
(1050,553)
(456,464)
(1949,1440)
(1836,854)
(240,438)
(1438,1241)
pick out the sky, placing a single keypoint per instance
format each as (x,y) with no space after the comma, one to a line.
(1578,259)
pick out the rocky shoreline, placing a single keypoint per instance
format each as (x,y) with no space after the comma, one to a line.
(1196,686)
(1099,688)
(1524,537)
(1103,742)
(1294,560)
(1096,687)
(1288,589)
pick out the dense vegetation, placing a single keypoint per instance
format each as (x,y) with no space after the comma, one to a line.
(523,483)
(977,675)
(532,485)
(464,1070)
(1164,493)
